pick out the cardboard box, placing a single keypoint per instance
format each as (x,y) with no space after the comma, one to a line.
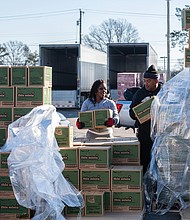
(91,179)
(32,96)
(4,171)
(5,183)
(87,118)
(101,116)
(97,142)
(73,211)
(94,203)
(18,75)
(126,178)
(95,157)
(19,112)
(70,157)
(3,160)
(14,216)
(126,153)
(142,111)
(40,76)
(64,136)
(7,195)
(6,96)
(187,57)
(6,116)
(95,118)
(72,176)
(3,136)
(11,206)
(126,201)
(4,76)
(126,80)
(107,201)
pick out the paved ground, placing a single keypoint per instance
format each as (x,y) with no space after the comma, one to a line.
(72,115)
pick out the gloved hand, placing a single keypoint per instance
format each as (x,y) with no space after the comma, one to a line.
(79,124)
(110,122)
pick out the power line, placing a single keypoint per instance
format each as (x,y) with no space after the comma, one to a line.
(56,13)
(127,13)
(36,15)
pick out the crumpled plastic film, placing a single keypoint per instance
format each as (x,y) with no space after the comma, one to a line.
(167,181)
(35,165)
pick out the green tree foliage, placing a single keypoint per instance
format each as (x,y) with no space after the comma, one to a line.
(179,37)
(18,54)
(111,31)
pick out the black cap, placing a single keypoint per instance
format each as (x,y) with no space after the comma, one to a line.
(151,73)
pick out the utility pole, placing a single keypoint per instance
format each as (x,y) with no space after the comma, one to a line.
(79,22)
(168,40)
(164,63)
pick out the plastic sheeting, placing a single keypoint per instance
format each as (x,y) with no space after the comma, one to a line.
(35,165)
(167,181)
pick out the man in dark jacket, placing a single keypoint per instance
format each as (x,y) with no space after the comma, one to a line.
(151,88)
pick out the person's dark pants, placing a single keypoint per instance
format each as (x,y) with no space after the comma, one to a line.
(145,150)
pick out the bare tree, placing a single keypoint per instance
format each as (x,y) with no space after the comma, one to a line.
(17,54)
(2,54)
(32,59)
(111,31)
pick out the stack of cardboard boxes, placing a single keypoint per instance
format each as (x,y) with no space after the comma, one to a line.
(108,171)
(21,89)
(125,81)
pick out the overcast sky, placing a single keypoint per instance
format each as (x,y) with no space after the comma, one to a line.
(43,21)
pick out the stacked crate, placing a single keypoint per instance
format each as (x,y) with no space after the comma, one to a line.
(109,175)
(107,171)
(21,89)
(69,152)
(126,176)
(9,207)
(95,162)
(125,81)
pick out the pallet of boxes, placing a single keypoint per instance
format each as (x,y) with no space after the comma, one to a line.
(107,172)
(21,89)
(186,26)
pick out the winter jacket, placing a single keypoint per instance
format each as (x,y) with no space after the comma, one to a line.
(140,96)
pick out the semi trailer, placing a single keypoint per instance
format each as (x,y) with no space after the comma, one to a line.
(74,69)
(128,58)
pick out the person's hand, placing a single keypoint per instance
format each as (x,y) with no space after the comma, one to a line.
(79,124)
(110,122)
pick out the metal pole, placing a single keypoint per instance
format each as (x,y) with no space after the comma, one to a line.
(80,26)
(168,40)
(164,63)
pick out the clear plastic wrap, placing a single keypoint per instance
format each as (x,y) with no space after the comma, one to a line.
(35,165)
(167,181)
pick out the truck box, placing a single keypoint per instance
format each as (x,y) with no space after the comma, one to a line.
(74,68)
(129,58)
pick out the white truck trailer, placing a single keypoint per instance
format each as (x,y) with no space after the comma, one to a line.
(74,69)
(128,58)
